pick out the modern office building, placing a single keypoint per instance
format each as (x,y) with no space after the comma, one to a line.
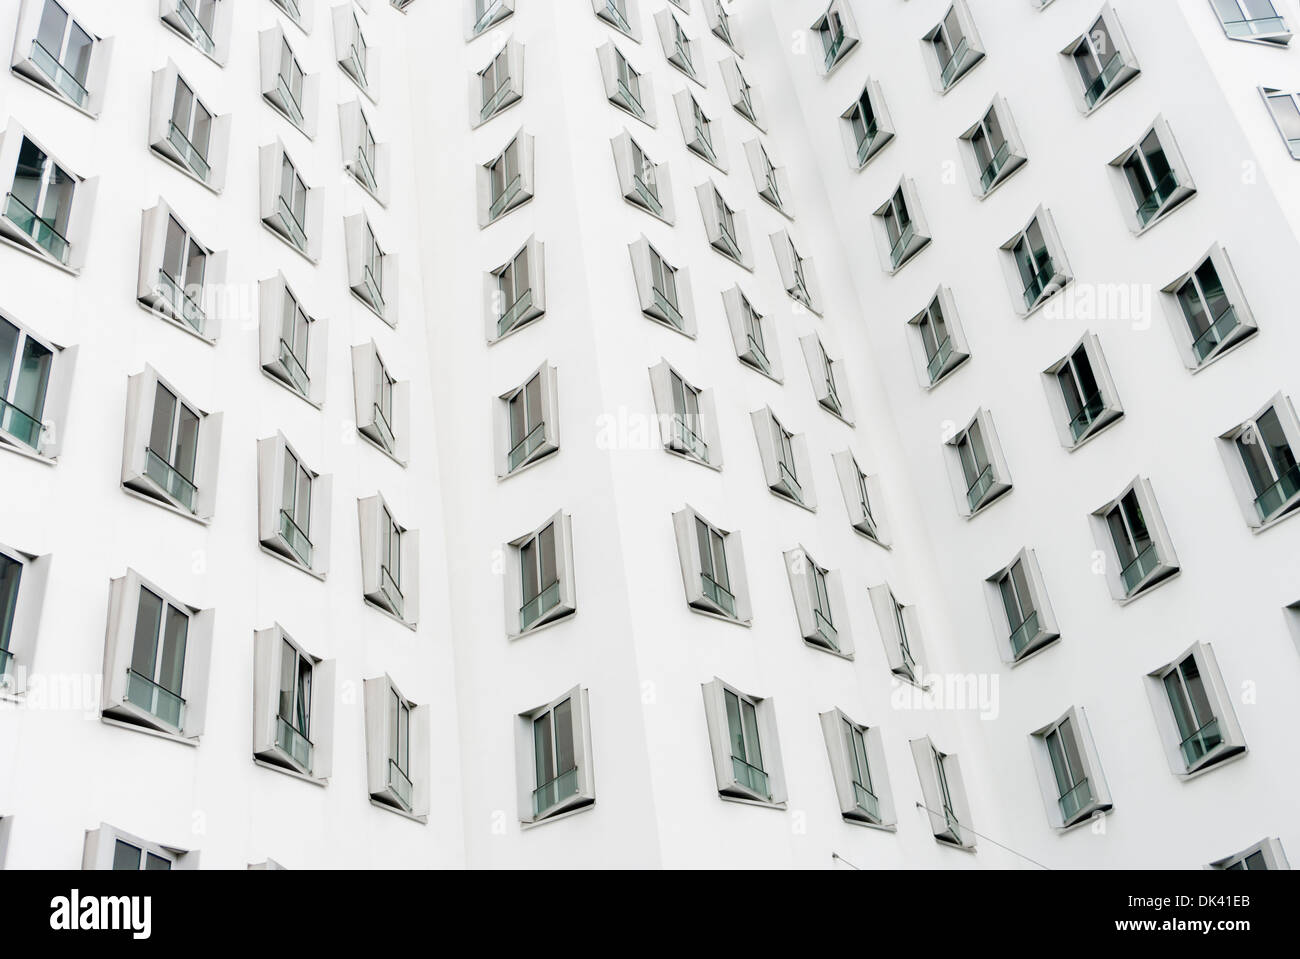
(648,432)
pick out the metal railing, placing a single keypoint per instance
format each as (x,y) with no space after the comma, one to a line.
(1083,420)
(494,102)
(507,196)
(750,777)
(1038,282)
(865,142)
(489,15)
(39,229)
(1075,800)
(1279,494)
(791,482)
(290,103)
(1208,342)
(1095,90)
(293,367)
(718,594)
(866,800)
(196,28)
(942,353)
(20,424)
(948,71)
(756,352)
(190,154)
(833,52)
(391,591)
(158,702)
(648,196)
(689,440)
(295,231)
(373,288)
(1136,571)
(1022,634)
(630,100)
(1198,745)
(705,143)
(898,251)
(512,316)
(59,75)
(184,306)
(979,489)
(730,244)
(386,437)
(358,70)
(550,794)
(366,171)
(539,605)
(617,16)
(400,784)
(826,629)
(291,8)
(995,166)
(684,57)
(526,447)
(297,746)
(1151,205)
(297,539)
(174,484)
(670,310)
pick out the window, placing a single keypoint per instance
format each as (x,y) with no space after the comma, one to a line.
(109,848)
(485,14)
(397,750)
(862,498)
(1266,854)
(372,271)
(954,47)
(1034,263)
(625,86)
(366,159)
(678,47)
(528,422)
(726,229)
(798,275)
(698,130)
(1069,771)
(299,11)
(35,377)
(292,340)
(60,55)
(157,660)
(171,447)
(1100,62)
(1193,710)
(944,792)
(204,23)
(390,562)
(186,132)
(663,290)
(383,403)
(770,179)
(359,60)
(22,594)
(286,85)
(181,281)
(867,125)
(743,739)
(293,507)
(1252,20)
(829,382)
(1023,621)
(900,631)
(1081,393)
(993,150)
(553,744)
(713,567)
(540,587)
(500,84)
(1261,458)
(622,15)
(642,182)
(837,35)
(720,22)
(1155,179)
(1285,108)
(1131,534)
(290,209)
(750,334)
(1210,315)
(47,208)
(901,226)
(858,770)
(787,470)
(293,708)
(516,292)
(744,98)
(938,344)
(506,181)
(819,604)
(978,469)
(688,420)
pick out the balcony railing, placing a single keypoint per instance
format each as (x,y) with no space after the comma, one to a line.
(1279,494)
(356,66)
(287,100)
(526,447)
(295,745)
(291,8)
(488,17)
(898,251)
(995,166)
(6,663)
(178,487)
(1208,342)
(689,440)
(539,605)
(1254,27)
(952,824)
(865,141)
(669,310)
(59,75)
(550,794)
(1136,571)
(190,154)
(1154,201)
(630,100)
(385,431)
(729,244)
(158,702)
(293,229)
(1075,800)
(1094,91)
(979,489)
(683,58)
(867,801)
(617,16)
(365,171)
(757,355)
(942,353)
(718,594)
(197,30)
(511,317)
(506,198)
(750,777)
(35,226)
(1023,634)
(704,142)
(391,591)
(1198,745)
(647,195)
(494,102)
(1038,282)
(833,51)
(948,72)
(791,482)
(184,307)
(298,540)
(20,424)
(290,363)
(400,784)
(1083,420)
(826,629)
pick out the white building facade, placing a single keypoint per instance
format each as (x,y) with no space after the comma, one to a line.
(652,432)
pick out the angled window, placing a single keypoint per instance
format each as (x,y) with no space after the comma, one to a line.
(298,11)
(862,498)
(743,740)
(528,422)
(688,418)
(1023,621)
(1081,393)
(787,469)
(625,86)
(713,567)
(204,23)
(901,226)
(819,604)
(290,209)
(60,55)
(798,274)
(483,15)
(1266,854)
(992,149)
(22,595)
(506,181)
(939,345)
(553,750)
(1193,710)
(977,467)
(900,632)
(1285,109)
(172,447)
(156,660)
(770,178)
(681,50)
(721,23)
(1069,771)
(293,507)
(1209,314)
(500,84)
(390,562)
(829,381)
(837,34)
(35,381)
(703,137)
(515,292)
(109,848)
(355,56)
(743,97)
(293,706)
(1034,263)
(383,403)
(286,85)
(1131,535)
(944,793)
(540,581)
(726,229)
(1261,458)
(185,131)
(292,340)
(867,125)
(663,290)
(954,47)
(372,271)
(641,181)
(1152,178)
(179,276)
(858,769)
(622,15)
(1100,62)
(397,750)
(365,158)
(1257,21)
(751,335)
(47,208)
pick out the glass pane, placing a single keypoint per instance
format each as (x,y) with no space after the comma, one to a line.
(518,418)
(148,625)
(749,721)
(164,411)
(33,378)
(29,174)
(171,668)
(182,106)
(125,857)
(303,712)
(734,729)
(543,749)
(719,560)
(153,863)
(54,23)
(11,572)
(1180,706)
(533,393)
(1287,115)
(564,745)
(702,545)
(187,442)
(288,661)
(529,569)
(546,542)
(1196,691)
